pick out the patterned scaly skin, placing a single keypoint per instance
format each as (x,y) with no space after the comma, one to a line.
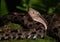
(21,34)
(32,29)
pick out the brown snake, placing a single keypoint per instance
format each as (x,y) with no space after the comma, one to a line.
(36,25)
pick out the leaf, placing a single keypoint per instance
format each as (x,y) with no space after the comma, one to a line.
(3,8)
(51,10)
(21,8)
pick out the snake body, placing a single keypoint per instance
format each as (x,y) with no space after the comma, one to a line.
(34,29)
(21,34)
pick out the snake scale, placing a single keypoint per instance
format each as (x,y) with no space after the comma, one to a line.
(34,26)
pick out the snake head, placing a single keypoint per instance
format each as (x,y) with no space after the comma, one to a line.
(36,16)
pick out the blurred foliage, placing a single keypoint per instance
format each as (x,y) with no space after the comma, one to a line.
(3,8)
(43,6)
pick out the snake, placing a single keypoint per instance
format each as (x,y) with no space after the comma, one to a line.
(34,25)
